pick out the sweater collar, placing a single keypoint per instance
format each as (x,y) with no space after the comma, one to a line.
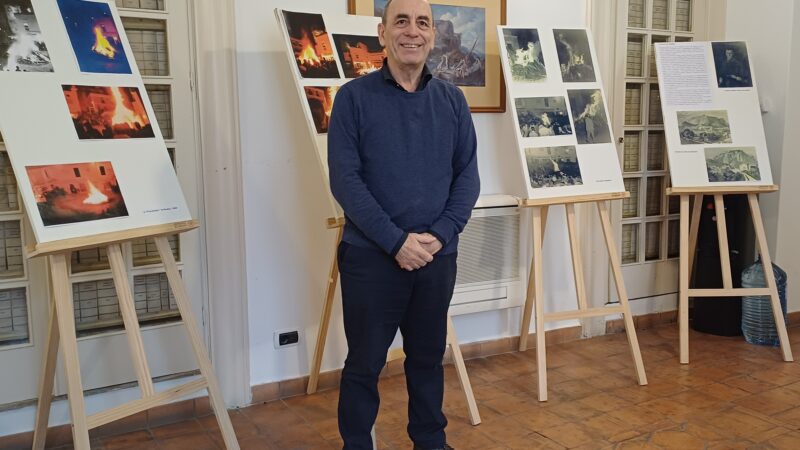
(423,81)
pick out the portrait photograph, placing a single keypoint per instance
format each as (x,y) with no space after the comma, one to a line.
(311,44)
(359,55)
(22,47)
(732,64)
(732,164)
(553,166)
(103,112)
(525,57)
(542,116)
(574,56)
(320,103)
(94,36)
(79,192)
(589,114)
(704,127)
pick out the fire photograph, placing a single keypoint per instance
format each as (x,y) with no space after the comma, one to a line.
(359,55)
(591,122)
(311,44)
(22,47)
(525,57)
(102,112)
(542,116)
(94,36)
(79,192)
(574,56)
(553,166)
(320,102)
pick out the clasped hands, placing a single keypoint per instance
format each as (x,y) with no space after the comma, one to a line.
(417,251)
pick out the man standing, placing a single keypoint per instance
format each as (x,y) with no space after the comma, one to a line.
(402,160)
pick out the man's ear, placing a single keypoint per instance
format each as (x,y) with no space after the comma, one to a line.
(381,31)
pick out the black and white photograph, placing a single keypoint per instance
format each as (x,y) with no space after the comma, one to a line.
(589,113)
(525,57)
(553,166)
(732,64)
(543,116)
(574,56)
(732,164)
(22,47)
(704,127)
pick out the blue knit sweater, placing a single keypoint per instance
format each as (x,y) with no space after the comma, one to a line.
(402,162)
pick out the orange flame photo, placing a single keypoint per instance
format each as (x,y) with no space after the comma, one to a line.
(359,55)
(320,102)
(94,36)
(312,45)
(101,112)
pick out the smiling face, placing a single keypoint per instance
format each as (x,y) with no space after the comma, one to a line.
(408,34)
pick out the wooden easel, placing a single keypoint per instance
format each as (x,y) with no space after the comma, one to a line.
(688,244)
(535,295)
(322,334)
(62,331)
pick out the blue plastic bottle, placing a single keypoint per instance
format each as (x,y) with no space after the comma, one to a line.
(758,323)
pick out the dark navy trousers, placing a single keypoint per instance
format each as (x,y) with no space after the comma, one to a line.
(378,297)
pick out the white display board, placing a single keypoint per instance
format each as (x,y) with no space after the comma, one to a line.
(561,122)
(79,128)
(324,52)
(712,119)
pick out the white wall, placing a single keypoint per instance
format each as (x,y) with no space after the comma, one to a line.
(288,247)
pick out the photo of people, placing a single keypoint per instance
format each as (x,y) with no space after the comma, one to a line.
(22,47)
(704,127)
(311,44)
(553,166)
(574,56)
(589,113)
(94,36)
(102,112)
(320,102)
(80,192)
(732,64)
(542,116)
(525,54)
(732,164)
(359,55)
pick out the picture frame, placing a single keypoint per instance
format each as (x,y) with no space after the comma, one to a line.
(484,87)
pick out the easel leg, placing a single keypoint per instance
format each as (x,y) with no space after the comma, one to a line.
(46,382)
(694,228)
(683,289)
(769,275)
(527,309)
(577,264)
(619,281)
(722,236)
(461,370)
(538,300)
(327,307)
(69,346)
(203,361)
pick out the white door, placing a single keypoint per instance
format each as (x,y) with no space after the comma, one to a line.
(159,33)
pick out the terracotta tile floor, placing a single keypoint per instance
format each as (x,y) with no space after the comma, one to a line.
(732,396)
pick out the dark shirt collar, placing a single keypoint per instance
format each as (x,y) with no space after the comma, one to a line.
(423,81)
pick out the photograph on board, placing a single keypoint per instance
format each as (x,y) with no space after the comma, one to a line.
(22,47)
(574,56)
(94,36)
(704,127)
(320,103)
(542,116)
(732,64)
(553,166)
(311,44)
(732,164)
(525,57)
(104,112)
(359,55)
(589,114)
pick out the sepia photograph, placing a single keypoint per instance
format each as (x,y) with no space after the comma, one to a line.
(732,64)
(525,57)
(311,44)
(103,112)
(732,164)
(22,47)
(704,127)
(359,55)
(574,56)
(553,166)
(589,114)
(94,36)
(320,103)
(542,116)
(80,192)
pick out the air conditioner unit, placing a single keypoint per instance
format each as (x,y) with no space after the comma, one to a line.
(490,273)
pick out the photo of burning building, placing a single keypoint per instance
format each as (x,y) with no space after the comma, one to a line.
(311,44)
(22,47)
(80,192)
(101,112)
(320,102)
(94,36)
(359,55)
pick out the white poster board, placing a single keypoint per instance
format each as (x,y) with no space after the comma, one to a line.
(565,140)
(712,119)
(87,153)
(324,52)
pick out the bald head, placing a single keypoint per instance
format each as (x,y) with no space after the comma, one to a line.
(385,16)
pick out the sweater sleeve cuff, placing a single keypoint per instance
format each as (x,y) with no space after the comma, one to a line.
(438,237)
(398,245)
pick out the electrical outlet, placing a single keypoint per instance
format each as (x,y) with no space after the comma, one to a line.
(286,338)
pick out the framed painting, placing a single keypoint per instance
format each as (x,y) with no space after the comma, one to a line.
(466,50)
